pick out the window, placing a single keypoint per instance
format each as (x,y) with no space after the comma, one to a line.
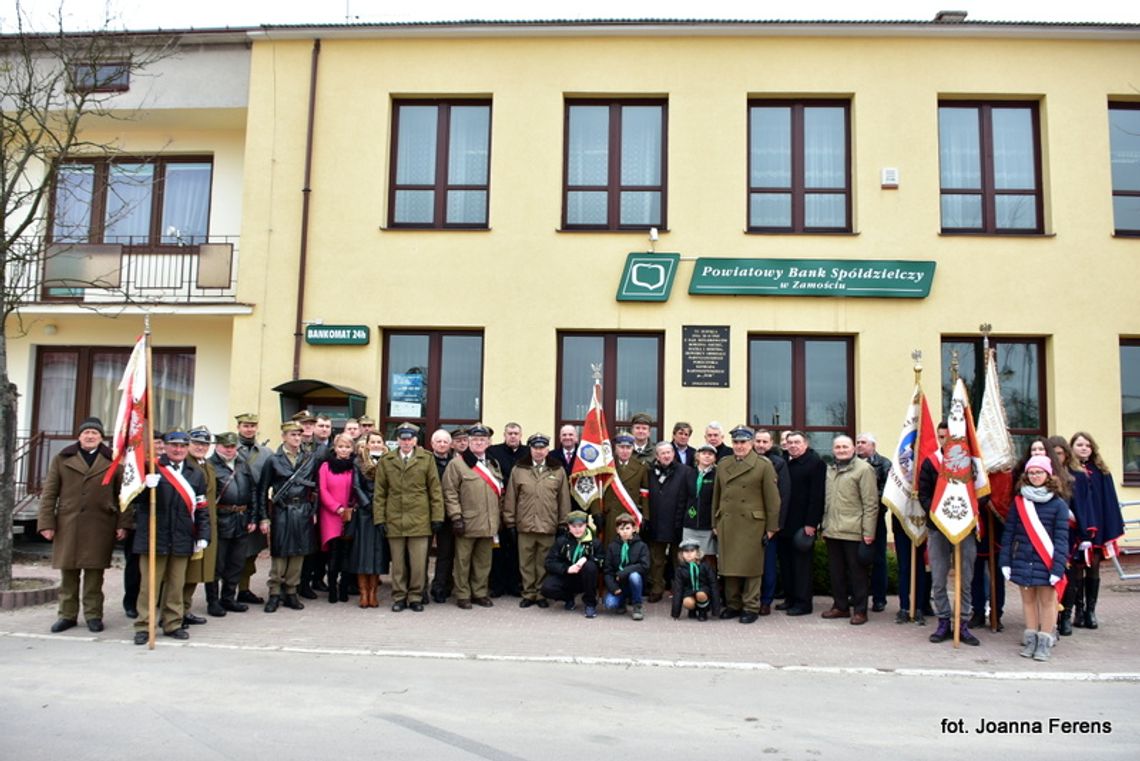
(632,376)
(804,383)
(799,168)
(990,167)
(614,177)
(132,201)
(109,76)
(432,378)
(1124,137)
(1021,372)
(1130,408)
(440,164)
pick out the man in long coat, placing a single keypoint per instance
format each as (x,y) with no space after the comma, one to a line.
(203,568)
(473,498)
(81,517)
(746,514)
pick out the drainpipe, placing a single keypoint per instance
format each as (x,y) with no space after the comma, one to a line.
(299,327)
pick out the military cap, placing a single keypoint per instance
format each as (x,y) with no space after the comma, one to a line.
(577,516)
(226,439)
(538,440)
(304,416)
(366,420)
(459,433)
(706,448)
(689,544)
(623,438)
(290,425)
(200,434)
(407,431)
(478,429)
(641,417)
(247,417)
(176,437)
(742,433)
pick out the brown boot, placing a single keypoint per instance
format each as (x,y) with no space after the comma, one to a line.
(362,583)
(373,588)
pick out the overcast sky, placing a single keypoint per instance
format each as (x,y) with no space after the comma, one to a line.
(176,14)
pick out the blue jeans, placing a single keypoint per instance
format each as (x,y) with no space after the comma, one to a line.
(922,582)
(630,592)
(771,562)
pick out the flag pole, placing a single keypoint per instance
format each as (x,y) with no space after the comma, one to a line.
(151,460)
(985,328)
(916,355)
(957,547)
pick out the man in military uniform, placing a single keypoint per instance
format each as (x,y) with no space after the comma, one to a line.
(367,426)
(459,441)
(746,513)
(285,508)
(80,516)
(235,522)
(255,456)
(408,502)
(308,423)
(643,448)
(473,497)
(537,502)
(182,527)
(633,475)
(203,566)
(315,565)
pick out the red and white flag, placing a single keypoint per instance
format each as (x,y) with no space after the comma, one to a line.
(130,424)
(916,443)
(593,470)
(996,445)
(962,478)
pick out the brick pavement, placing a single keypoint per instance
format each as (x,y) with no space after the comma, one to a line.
(509,632)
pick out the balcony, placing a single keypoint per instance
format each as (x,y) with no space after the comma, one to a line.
(90,274)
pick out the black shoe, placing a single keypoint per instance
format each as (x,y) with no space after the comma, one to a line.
(399,605)
(693,613)
(542,602)
(177,634)
(438,597)
(977,620)
(234,606)
(334,596)
(749,618)
(782,605)
(703,614)
(250,597)
(728,613)
(131,612)
(483,602)
(425,599)
(942,632)
(1065,624)
(215,608)
(417,607)
(966,638)
(271,606)
(526,603)
(319,586)
(799,611)
(62,625)
(307,592)
(292,602)
(95,625)
(878,607)
(192,620)
(141,638)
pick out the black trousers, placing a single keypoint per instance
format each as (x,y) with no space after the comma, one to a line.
(795,569)
(313,568)
(566,587)
(441,581)
(505,576)
(847,573)
(132,574)
(230,564)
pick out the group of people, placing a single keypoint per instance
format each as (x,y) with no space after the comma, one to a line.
(722,525)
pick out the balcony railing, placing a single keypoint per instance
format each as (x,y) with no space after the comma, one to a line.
(202,272)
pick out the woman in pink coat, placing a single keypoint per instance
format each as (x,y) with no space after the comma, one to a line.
(339,487)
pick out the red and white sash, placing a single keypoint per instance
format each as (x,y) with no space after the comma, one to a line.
(489,477)
(183,487)
(1039,537)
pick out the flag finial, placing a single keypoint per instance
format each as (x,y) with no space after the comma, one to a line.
(597,370)
(916,355)
(985,329)
(953,366)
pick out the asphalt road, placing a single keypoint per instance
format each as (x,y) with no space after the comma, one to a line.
(100,699)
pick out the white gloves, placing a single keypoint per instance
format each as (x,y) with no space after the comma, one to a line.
(1005,572)
(1053,580)
(1084,546)
(152,480)
(200,545)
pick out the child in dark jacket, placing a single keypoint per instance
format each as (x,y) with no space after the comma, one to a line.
(694,584)
(1034,552)
(627,564)
(573,564)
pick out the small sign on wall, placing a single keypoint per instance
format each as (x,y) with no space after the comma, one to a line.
(704,355)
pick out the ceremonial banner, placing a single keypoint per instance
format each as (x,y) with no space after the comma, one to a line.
(130,421)
(593,470)
(962,477)
(996,445)
(916,443)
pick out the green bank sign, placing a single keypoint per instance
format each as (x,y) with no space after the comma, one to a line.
(337,335)
(647,277)
(871,278)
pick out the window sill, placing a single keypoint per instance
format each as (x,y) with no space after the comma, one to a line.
(617,230)
(800,234)
(411,229)
(967,234)
(1133,234)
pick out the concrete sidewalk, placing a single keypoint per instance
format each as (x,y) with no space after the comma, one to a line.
(507,632)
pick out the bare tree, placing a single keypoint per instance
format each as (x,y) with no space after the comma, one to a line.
(52,84)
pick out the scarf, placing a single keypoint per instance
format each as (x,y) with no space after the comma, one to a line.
(583,543)
(337,465)
(624,556)
(695,576)
(1036,493)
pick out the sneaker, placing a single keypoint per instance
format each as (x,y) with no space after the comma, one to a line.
(966,638)
(621,610)
(942,633)
(591,611)
(919,618)
(638,612)
(568,605)
(902,617)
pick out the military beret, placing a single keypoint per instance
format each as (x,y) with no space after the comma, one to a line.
(538,440)
(577,516)
(289,426)
(641,417)
(407,431)
(226,439)
(200,434)
(623,438)
(176,437)
(742,433)
(247,417)
(478,429)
